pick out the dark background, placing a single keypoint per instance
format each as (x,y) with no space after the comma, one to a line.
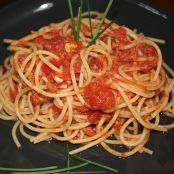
(166,5)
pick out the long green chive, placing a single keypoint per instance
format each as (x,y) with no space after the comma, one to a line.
(76,31)
(72,18)
(103,18)
(87,172)
(79,17)
(89,14)
(100,33)
(29,170)
(68,160)
(54,171)
(94,163)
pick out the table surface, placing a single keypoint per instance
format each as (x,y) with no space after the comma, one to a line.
(166,5)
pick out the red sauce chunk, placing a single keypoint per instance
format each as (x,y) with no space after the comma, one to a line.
(21,58)
(47,72)
(39,41)
(38,99)
(121,34)
(94,117)
(77,66)
(55,109)
(118,124)
(65,47)
(31,77)
(148,50)
(89,131)
(35,99)
(81,110)
(65,75)
(96,64)
(146,66)
(99,96)
(56,45)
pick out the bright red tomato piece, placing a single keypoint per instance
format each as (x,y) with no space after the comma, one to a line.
(99,96)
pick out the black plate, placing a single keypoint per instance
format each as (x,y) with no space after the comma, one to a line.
(20,18)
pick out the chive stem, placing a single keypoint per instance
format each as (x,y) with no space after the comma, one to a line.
(79,17)
(54,171)
(89,14)
(100,33)
(94,163)
(103,18)
(72,18)
(83,172)
(30,170)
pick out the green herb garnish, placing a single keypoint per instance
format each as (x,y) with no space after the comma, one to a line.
(27,170)
(87,172)
(100,33)
(103,18)
(76,30)
(89,14)
(79,17)
(94,163)
(72,18)
(52,171)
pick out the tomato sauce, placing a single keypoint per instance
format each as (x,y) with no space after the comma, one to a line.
(89,131)
(129,57)
(52,85)
(118,124)
(123,57)
(148,50)
(118,37)
(31,77)
(40,41)
(35,98)
(65,75)
(56,45)
(56,109)
(97,64)
(77,66)
(81,110)
(21,58)
(64,47)
(94,117)
(99,96)
(121,35)
(47,71)
(146,66)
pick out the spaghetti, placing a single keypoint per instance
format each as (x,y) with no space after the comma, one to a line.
(111,93)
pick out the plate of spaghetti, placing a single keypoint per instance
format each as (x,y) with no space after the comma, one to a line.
(98,76)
